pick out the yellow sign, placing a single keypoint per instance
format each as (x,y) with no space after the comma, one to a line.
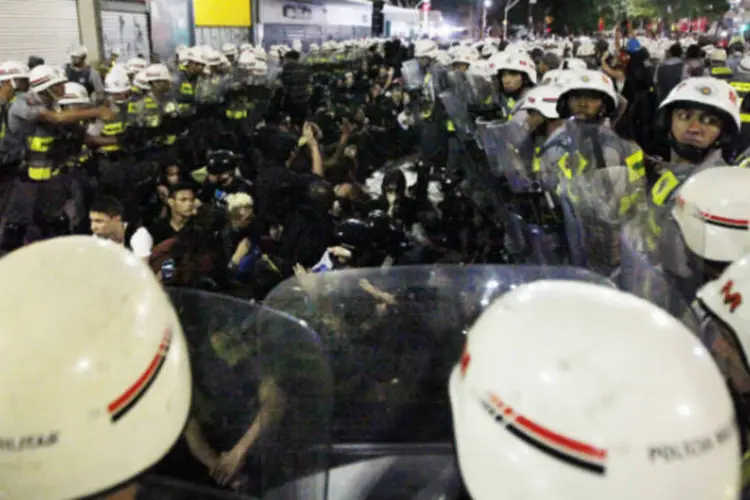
(235,13)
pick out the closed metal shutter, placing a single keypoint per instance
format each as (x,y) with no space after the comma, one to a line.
(216,37)
(45,28)
(126,31)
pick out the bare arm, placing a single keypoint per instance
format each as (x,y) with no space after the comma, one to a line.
(70,115)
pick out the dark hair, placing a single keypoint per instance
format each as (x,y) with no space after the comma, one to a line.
(551,60)
(694,52)
(108,205)
(292,55)
(180,186)
(675,50)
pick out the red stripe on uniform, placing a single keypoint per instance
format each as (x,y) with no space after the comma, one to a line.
(134,389)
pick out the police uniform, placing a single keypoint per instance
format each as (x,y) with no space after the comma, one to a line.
(185,92)
(42,189)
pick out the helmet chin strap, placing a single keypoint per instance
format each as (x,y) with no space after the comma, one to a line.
(693,154)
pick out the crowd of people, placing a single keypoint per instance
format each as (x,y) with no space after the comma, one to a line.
(614,167)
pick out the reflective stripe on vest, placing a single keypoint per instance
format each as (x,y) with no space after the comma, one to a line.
(236,114)
(112,129)
(722,70)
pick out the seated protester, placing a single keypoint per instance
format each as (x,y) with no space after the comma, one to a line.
(192,257)
(239,238)
(181,203)
(393,200)
(106,215)
(280,185)
(223,178)
(308,232)
(170,174)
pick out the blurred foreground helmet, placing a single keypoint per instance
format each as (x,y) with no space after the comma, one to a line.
(109,390)
(12,70)
(713,213)
(547,403)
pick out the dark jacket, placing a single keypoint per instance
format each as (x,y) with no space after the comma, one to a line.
(296,81)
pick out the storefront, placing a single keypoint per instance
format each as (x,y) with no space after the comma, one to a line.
(125,28)
(220,22)
(313,22)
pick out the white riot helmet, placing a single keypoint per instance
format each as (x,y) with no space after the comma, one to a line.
(713,213)
(543,100)
(589,81)
(78,51)
(117,82)
(212,58)
(158,73)
(229,50)
(136,64)
(518,62)
(11,70)
(574,63)
(442,58)
(75,94)
(194,55)
(246,46)
(718,56)
(140,82)
(112,370)
(464,55)
(558,407)
(726,328)
(246,60)
(489,50)
(425,48)
(706,92)
(558,76)
(744,66)
(44,76)
(260,68)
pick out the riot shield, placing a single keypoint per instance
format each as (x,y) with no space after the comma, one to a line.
(411,74)
(458,114)
(393,336)
(532,223)
(262,399)
(594,193)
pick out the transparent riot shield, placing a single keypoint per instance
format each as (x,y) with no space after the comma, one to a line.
(411,74)
(262,400)
(594,193)
(480,90)
(531,219)
(458,114)
(393,336)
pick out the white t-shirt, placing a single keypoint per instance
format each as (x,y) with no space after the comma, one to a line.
(141,242)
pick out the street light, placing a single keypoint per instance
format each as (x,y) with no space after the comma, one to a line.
(487,5)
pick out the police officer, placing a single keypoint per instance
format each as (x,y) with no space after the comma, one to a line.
(718,65)
(701,116)
(741,84)
(112,168)
(42,189)
(187,79)
(78,70)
